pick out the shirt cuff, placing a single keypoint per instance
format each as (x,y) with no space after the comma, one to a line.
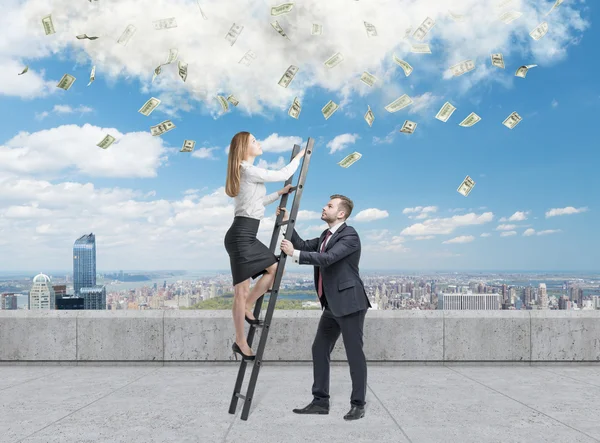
(296,255)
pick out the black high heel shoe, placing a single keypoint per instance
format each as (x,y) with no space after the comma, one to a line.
(251,321)
(237,350)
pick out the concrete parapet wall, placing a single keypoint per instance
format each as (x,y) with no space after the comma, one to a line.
(389,336)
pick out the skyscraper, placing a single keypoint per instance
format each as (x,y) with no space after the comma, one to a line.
(543,296)
(41,295)
(84,263)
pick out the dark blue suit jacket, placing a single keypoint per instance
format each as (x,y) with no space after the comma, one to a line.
(343,287)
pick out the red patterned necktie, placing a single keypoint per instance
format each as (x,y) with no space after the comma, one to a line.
(320,284)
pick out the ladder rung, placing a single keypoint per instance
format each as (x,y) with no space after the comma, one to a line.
(284,222)
(238,395)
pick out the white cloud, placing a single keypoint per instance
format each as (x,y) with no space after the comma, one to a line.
(388,139)
(554,103)
(424,104)
(421,211)
(460,239)
(517,216)
(529,232)
(371,214)
(565,211)
(204,153)
(508,233)
(279,164)
(424,237)
(505,227)
(438,226)
(64,109)
(341,142)
(485,234)
(277,143)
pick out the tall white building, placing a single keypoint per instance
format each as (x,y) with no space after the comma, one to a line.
(454,301)
(543,296)
(41,295)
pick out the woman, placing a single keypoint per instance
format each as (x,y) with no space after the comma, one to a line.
(247,255)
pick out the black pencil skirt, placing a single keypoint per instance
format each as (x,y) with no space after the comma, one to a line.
(248,256)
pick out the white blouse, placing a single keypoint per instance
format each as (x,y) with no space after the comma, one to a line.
(252,198)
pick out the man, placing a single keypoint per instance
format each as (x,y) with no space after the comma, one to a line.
(335,256)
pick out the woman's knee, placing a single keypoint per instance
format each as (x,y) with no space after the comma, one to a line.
(242,289)
(272,269)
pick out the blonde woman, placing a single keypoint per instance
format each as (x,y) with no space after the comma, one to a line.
(248,256)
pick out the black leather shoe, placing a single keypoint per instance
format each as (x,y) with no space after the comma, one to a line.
(236,350)
(313,408)
(355,413)
(251,321)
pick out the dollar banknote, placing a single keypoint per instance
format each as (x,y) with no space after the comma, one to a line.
(188,146)
(165,23)
(281,9)
(149,106)
(522,71)
(173,52)
(231,99)
(557,3)
(471,120)
(201,11)
(84,36)
(279,29)
(512,120)
(295,109)
(368,79)
(66,82)
(106,141)
(498,60)
(539,31)
(334,60)
(462,68)
(456,17)
(369,116)
(408,127)
(223,102)
(422,30)
(24,70)
(183,70)
(371,30)
(48,24)
(157,72)
(420,48)
(466,186)
(248,57)
(400,103)
(445,112)
(317,29)
(288,76)
(510,16)
(407,33)
(404,65)
(92,75)
(350,159)
(127,34)
(162,127)
(329,109)
(234,33)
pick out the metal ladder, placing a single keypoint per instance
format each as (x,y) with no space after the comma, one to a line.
(266,323)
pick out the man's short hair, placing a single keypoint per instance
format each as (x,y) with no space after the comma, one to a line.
(345,204)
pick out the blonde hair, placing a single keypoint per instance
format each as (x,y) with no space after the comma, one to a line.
(237,152)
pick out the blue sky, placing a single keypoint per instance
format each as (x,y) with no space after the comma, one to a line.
(152,207)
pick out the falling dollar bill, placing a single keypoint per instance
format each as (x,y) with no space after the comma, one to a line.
(369,116)
(462,67)
(201,11)
(512,120)
(408,127)
(157,72)
(106,141)
(48,25)
(127,34)
(162,127)
(510,16)
(248,57)
(149,106)
(539,31)
(400,103)
(165,23)
(295,109)
(368,79)
(522,71)
(288,76)
(92,75)
(66,82)
(334,60)
(183,70)
(471,119)
(279,29)
(329,109)
(281,9)
(422,30)
(456,17)
(445,112)
(188,146)
(24,70)
(223,103)
(350,159)
(234,33)
(231,99)
(84,36)
(316,29)
(371,31)
(466,186)
(404,65)
(557,3)
(173,52)
(420,48)
(498,60)
(407,33)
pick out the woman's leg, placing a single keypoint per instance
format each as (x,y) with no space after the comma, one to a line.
(263,283)
(240,295)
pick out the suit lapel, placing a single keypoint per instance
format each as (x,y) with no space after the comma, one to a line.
(333,238)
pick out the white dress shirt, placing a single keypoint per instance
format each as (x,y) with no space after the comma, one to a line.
(296,254)
(252,198)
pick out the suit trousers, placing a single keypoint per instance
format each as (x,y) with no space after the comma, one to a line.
(330,327)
